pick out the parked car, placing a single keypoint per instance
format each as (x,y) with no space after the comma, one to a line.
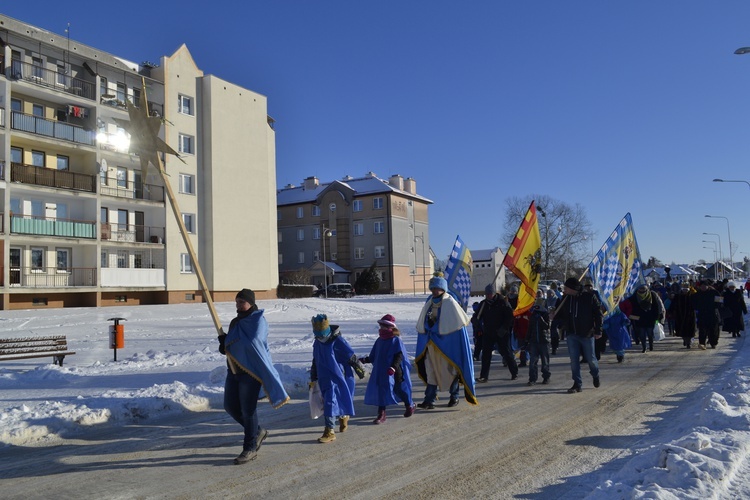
(336,290)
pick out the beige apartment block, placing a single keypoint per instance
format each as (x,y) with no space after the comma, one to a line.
(332,232)
(81,224)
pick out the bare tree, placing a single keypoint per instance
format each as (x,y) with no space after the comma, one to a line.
(565,231)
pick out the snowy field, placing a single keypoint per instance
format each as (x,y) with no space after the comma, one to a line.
(170,365)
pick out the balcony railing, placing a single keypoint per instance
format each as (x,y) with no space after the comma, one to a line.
(52,277)
(132,277)
(118,99)
(63,179)
(128,189)
(52,79)
(52,128)
(132,233)
(49,226)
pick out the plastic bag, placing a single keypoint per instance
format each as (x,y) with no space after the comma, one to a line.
(659,332)
(317,405)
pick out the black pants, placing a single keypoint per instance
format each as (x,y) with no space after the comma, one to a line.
(503,345)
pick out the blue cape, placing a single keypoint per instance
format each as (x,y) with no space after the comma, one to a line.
(379,390)
(616,328)
(246,346)
(454,346)
(335,376)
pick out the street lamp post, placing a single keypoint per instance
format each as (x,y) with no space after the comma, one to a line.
(714,249)
(725,180)
(424,266)
(729,236)
(326,234)
(721,257)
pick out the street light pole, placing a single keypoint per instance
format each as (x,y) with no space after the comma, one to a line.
(714,249)
(326,234)
(731,252)
(721,255)
(725,180)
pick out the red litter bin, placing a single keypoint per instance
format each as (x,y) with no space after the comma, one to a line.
(116,335)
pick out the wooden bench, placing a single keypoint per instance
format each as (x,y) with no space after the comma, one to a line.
(35,347)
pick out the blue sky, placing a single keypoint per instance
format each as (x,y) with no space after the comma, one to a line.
(618,106)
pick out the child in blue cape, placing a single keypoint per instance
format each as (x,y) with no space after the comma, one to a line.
(389,382)
(333,367)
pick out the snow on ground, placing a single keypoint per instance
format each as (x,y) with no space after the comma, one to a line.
(170,365)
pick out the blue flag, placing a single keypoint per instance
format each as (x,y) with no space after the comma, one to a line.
(617,270)
(458,271)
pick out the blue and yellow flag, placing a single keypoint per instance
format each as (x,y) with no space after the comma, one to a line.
(617,270)
(458,271)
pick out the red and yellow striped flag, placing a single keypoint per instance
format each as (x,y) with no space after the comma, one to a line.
(524,259)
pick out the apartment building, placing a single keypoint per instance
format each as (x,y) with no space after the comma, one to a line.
(81,224)
(336,230)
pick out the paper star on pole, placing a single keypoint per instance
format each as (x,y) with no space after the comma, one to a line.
(144,135)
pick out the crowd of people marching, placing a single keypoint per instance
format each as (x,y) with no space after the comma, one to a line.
(444,358)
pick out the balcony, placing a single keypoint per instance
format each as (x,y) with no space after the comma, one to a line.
(119,99)
(51,79)
(62,179)
(129,277)
(52,277)
(132,233)
(49,226)
(130,190)
(52,128)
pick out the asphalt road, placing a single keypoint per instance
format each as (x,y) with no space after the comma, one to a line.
(520,442)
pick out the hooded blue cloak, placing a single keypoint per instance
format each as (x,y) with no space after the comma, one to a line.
(448,338)
(246,346)
(335,377)
(380,386)
(616,328)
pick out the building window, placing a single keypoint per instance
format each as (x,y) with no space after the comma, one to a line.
(300,234)
(37,110)
(103,89)
(334,256)
(138,260)
(37,259)
(122,177)
(377,203)
(186,144)
(122,259)
(63,259)
(122,92)
(359,253)
(378,227)
(357,205)
(379,252)
(16,105)
(279,239)
(300,212)
(315,211)
(136,99)
(185,105)
(316,233)
(281,258)
(105,259)
(187,184)
(16,155)
(63,162)
(316,255)
(189,221)
(301,258)
(359,229)
(186,266)
(37,69)
(38,158)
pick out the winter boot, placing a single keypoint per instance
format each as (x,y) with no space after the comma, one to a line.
(327,436)
(245,457)
(343,423)
(381,417)
(409,410)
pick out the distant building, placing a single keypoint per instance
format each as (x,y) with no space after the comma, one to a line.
(351,223)
(676,272)
(81,224)
(486,266)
